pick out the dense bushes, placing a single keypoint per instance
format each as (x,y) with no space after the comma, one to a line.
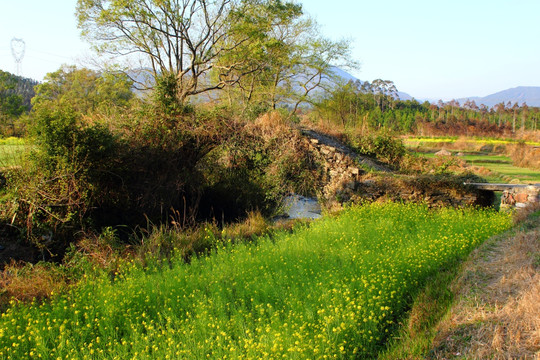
(381,146)
(148,163)
(260,163)
(54,191)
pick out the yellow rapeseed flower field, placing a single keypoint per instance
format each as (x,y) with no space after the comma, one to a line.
(330,290)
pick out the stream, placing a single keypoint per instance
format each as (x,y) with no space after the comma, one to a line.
(301,207)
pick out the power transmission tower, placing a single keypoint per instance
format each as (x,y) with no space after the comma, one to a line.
(18,46)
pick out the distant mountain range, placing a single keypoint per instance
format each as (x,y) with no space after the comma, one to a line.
(521,94)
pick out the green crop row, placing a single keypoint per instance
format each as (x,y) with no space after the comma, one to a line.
(475,140)
(334,289)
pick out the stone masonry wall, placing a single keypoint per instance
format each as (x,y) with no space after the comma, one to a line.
(341,171)
(520,197)
(345,179)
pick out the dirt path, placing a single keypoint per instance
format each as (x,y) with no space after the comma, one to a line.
(497,312)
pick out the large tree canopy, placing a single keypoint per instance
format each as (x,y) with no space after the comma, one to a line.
(208,45)
(289,58)
(179,37)
(82,90)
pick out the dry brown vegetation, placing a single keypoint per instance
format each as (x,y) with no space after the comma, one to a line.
(454,127)
(497,312)
(326,127)
(525,156)
(21,281)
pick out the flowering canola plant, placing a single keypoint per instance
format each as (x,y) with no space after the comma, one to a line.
(332,290)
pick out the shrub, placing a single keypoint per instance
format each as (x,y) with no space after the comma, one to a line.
(256,167)
(202,163)
(53,193)
(384,147)
(49,205)
(62,136)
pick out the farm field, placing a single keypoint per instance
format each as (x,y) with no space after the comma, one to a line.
(11,151)
(419,141)
(503,165)
(478,152)
(500,166)
(334,289)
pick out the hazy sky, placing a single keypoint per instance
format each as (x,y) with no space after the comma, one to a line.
(429,48)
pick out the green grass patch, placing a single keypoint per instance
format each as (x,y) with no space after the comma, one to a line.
(500,165)
(12,155)
(487,159)
(13,141)
(511,172)
(12,151)
(334,289)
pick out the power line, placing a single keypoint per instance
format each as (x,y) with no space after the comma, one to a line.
(51,54)
(42,59)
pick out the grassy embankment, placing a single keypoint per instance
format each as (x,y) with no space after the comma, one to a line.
(484,308)
(335,289)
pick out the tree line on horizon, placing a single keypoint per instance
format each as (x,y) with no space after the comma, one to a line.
(376,106)
(370,106)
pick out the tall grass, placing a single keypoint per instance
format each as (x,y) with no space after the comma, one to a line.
(331,290)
